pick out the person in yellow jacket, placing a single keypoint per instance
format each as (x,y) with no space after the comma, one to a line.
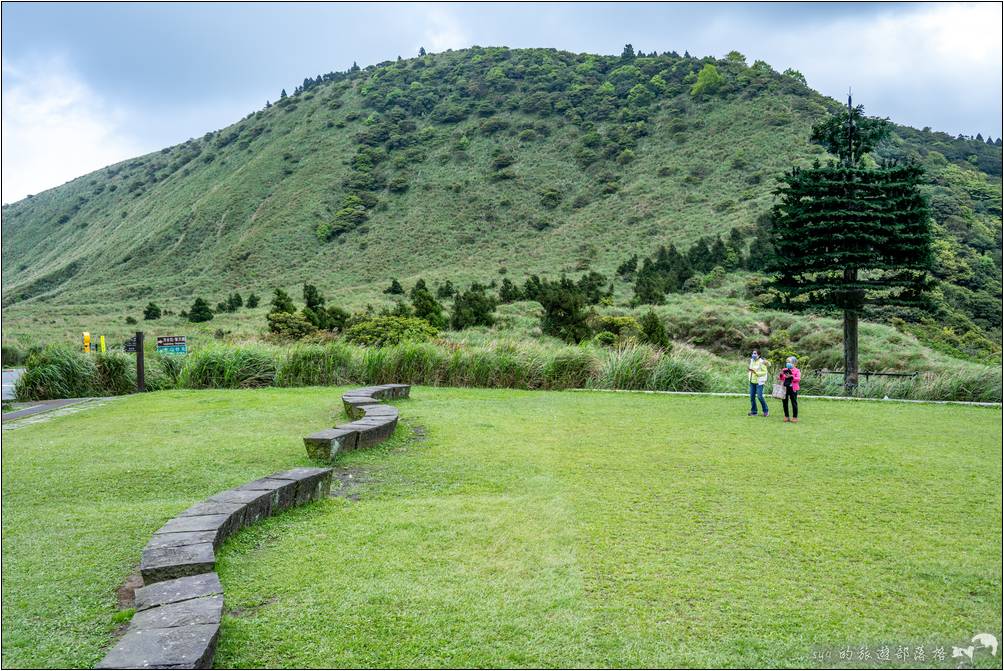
(757,378)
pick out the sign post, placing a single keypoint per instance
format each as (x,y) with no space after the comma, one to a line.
(101,345)
(140,372)
(87,342)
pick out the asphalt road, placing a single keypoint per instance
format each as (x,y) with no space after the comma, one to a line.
(10,376)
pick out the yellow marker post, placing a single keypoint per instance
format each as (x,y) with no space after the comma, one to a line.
(87,342)
(101,344)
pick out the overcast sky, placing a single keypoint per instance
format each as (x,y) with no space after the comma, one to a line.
(85,85)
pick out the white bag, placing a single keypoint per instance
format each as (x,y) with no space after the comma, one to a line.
(778,391)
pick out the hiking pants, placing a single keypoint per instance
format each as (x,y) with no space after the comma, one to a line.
(756,392)
(791,394)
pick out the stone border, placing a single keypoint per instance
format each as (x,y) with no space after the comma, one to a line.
(180,608)
(372,422)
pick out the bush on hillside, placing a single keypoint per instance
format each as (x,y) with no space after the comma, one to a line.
(289,326)
(565,315)
(152,311)
(200,311)
(426,307)
(653,331)
(390,330)
(395,288)
(472,308)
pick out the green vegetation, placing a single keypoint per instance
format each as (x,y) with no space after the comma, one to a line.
(847,236)
(389,330)
(391,349)
(681,533)
(152,311)
(200,311)
(448,166)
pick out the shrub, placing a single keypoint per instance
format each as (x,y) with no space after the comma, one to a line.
(395,288)
(281,302)
(290,326)
(427,307)
(565,313)
(502,161)
(199,312)
(708,80)
(653,331)
(130,320)
(550,198)
(472,308)
(390,330)
(627,327)
(252,301)
(493,125)
(151,311)
(509,292)
(398,184)
(605,339)
(445,290)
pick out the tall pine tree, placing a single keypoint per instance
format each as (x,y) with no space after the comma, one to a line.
(847,236)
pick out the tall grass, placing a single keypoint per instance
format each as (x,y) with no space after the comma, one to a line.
(59,372)
(115,374)
(234,367)
(316,365)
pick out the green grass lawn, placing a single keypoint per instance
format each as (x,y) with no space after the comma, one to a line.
(505,528)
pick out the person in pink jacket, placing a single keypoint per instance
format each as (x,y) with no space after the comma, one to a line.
(790,377)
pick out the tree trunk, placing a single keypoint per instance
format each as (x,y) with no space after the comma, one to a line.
(850,339)
(850,351)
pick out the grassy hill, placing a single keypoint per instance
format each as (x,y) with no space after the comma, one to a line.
(452,166)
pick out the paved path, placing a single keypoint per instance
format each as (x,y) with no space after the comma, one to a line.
(43,406)
(10,376)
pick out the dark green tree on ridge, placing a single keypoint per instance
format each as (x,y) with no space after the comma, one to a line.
(847,236)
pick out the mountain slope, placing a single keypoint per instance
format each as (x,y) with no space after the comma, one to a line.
(451,166)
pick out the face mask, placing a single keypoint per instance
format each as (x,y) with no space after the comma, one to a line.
(755,356)
(789,365)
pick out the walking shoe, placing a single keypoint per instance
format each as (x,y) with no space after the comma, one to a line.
(795,419)
(751,414)
(786,420)
(766,415)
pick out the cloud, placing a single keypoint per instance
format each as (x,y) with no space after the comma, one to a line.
(937,64)
(55,128)
(443,30)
